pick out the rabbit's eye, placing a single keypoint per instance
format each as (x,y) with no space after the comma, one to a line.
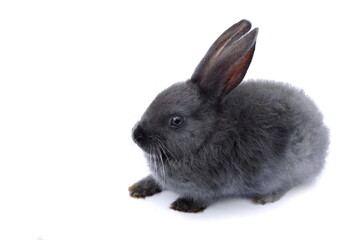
(176,121)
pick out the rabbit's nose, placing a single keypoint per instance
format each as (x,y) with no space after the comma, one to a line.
(138,134)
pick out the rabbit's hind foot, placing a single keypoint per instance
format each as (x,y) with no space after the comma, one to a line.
(268,198)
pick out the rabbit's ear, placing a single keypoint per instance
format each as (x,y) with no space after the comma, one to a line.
(226,62)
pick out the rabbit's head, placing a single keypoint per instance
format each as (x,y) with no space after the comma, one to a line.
(184,116)
(178,121)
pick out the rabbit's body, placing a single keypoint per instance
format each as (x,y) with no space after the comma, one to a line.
(270,137)
(208,138)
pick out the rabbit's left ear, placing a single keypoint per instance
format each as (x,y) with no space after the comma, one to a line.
(226,62)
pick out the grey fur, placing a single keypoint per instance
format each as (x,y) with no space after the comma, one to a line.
(255,141)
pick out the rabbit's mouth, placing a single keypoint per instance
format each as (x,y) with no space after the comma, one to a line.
(154,146)
(151,144)
(146,145)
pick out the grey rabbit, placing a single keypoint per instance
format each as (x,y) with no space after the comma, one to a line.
(209,138)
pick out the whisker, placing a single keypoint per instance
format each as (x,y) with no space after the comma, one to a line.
(162,164)
(165,149)
(153,160)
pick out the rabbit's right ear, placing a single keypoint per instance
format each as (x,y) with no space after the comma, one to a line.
(226,62)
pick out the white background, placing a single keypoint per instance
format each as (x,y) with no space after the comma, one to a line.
(76,75)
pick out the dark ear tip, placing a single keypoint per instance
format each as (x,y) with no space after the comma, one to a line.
(252,35)
(256,31)
(245,21)
(245,24)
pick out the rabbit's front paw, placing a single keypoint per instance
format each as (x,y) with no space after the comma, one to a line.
(144,188)
(188,205)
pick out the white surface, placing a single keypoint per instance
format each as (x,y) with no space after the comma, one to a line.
(75,76)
